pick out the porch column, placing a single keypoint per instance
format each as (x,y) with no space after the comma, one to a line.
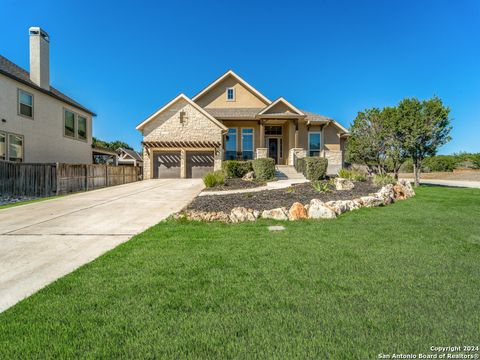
(262,133)
(296,133)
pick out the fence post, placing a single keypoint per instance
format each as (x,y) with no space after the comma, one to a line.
(57,179)
(86,177)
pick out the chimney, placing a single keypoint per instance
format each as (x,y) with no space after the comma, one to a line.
(39,57)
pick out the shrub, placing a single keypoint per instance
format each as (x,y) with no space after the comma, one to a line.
(475,159)
(300,165)
(264,169)
(215,178)
(407,166)
(383,179)
(236,169)
(439,163)
(320,186)
(355,175)
(315,168)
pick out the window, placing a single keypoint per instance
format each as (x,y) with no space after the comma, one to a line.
(82,128)
(230,94)
(25,104)
(314,144)
(273,130)
(3,147)
(15,147)
(247,144)
(69,128)
(231,145)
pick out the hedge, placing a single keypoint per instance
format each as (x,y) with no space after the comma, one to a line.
(315,168)
(236,169)
(264,169)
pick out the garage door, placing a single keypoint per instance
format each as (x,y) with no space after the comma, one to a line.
(199,163)
(166,165)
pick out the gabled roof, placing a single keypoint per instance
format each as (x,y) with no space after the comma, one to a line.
(132,153)
(278,101)
(187,99)
(239,79)
(15,72)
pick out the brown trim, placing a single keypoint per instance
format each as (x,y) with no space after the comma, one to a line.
(181,144)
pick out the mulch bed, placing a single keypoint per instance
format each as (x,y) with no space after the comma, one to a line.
(271,199)
(233,184)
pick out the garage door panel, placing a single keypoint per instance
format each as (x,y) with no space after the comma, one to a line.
(199,163)
(166,165)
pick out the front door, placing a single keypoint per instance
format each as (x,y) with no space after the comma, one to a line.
(273,149)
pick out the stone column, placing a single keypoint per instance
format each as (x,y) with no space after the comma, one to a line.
(183,164)
(262,153)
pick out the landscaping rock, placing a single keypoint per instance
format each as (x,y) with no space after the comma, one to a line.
(297,212)
(249,176)
(371,201)
(275,214)
(241,214)
(203,216)
(341,206)
(343,184)
(319,210)
(386,193)
(403,190)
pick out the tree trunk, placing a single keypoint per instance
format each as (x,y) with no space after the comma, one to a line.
(416,173)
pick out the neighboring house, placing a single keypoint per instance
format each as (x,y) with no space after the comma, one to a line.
(230,119)
(129,157)
(38,123)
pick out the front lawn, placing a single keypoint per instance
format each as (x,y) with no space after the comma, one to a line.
(401,278)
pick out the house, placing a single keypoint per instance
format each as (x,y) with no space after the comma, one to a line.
(38,123)
(129,157)
(230,119)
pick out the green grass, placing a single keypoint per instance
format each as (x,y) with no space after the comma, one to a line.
(28,202)
(395,279)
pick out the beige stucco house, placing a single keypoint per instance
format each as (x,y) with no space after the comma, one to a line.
(230,119)
(38,123)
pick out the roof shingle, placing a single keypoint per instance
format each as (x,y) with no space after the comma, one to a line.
(15,72)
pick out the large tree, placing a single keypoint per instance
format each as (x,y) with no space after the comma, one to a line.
(374,140)
(423,126)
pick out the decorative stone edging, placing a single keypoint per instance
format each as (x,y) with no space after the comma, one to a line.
(316,209)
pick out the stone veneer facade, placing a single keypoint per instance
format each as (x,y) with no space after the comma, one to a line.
(168,127)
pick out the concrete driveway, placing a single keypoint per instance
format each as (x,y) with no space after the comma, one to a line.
(43,241)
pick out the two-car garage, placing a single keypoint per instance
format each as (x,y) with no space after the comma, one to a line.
(168,164)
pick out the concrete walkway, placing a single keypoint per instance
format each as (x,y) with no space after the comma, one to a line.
(453,183)
(43,241)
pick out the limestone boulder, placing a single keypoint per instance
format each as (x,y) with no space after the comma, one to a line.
(341,206)
(275,214)
(343,184)
(297,212)
(371,201)
(403,190)
(249,176)
(241,214)
(387,193)
(319,210)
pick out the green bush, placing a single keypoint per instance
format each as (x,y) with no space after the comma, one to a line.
(383,179)
(315,168)
(475,159)
(407,166)
(215,178)
(300,165)
(355,175)
(264,169)
(236,169)
(439,163)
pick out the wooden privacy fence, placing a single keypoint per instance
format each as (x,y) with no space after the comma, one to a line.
(23,179)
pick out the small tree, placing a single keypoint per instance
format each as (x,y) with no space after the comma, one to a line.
(366,144)
(423,127)
(394,148)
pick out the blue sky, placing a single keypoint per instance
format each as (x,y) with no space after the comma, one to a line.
(125,59)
